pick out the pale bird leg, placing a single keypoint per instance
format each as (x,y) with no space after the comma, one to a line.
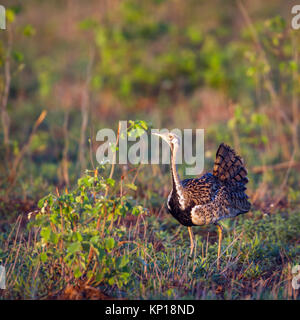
(220,231)
(192,241)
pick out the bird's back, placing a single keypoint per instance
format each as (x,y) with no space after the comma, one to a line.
(221,194)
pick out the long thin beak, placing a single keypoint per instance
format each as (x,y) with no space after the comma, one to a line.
(161,136)
(157,134)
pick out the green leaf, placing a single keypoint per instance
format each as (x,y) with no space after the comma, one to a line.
(90,274)
(131,186)
(45,233)
(94,239)
(54,237)
(77,272)
(79,237)
(122,261)
(43,257)
(48,198)
(124,276)
(85,181)
(110,182)
(74,247)
(41,202)
(99,276)
(144,125)
(109,243)
(54,218)
(137,210)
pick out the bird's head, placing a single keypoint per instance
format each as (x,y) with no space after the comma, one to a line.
(171,138)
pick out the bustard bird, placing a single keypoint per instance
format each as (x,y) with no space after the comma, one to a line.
(212,197)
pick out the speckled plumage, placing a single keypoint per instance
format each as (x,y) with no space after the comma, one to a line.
(214,196)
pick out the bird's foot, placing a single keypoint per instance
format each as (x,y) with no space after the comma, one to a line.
(192,250)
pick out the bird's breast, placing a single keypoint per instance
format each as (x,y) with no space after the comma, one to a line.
(182,216)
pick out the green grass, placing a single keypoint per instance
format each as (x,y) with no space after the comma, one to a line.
(124,251)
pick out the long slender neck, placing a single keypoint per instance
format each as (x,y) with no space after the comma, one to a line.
(177,186)
(175,177)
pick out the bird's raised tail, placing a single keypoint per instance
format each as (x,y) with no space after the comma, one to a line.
(229,167)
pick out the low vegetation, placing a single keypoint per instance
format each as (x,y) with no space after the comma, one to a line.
(82,239)
(71,228)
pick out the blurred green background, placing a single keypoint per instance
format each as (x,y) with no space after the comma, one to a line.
(229,67)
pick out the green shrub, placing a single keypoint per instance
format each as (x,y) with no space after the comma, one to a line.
(82,231)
